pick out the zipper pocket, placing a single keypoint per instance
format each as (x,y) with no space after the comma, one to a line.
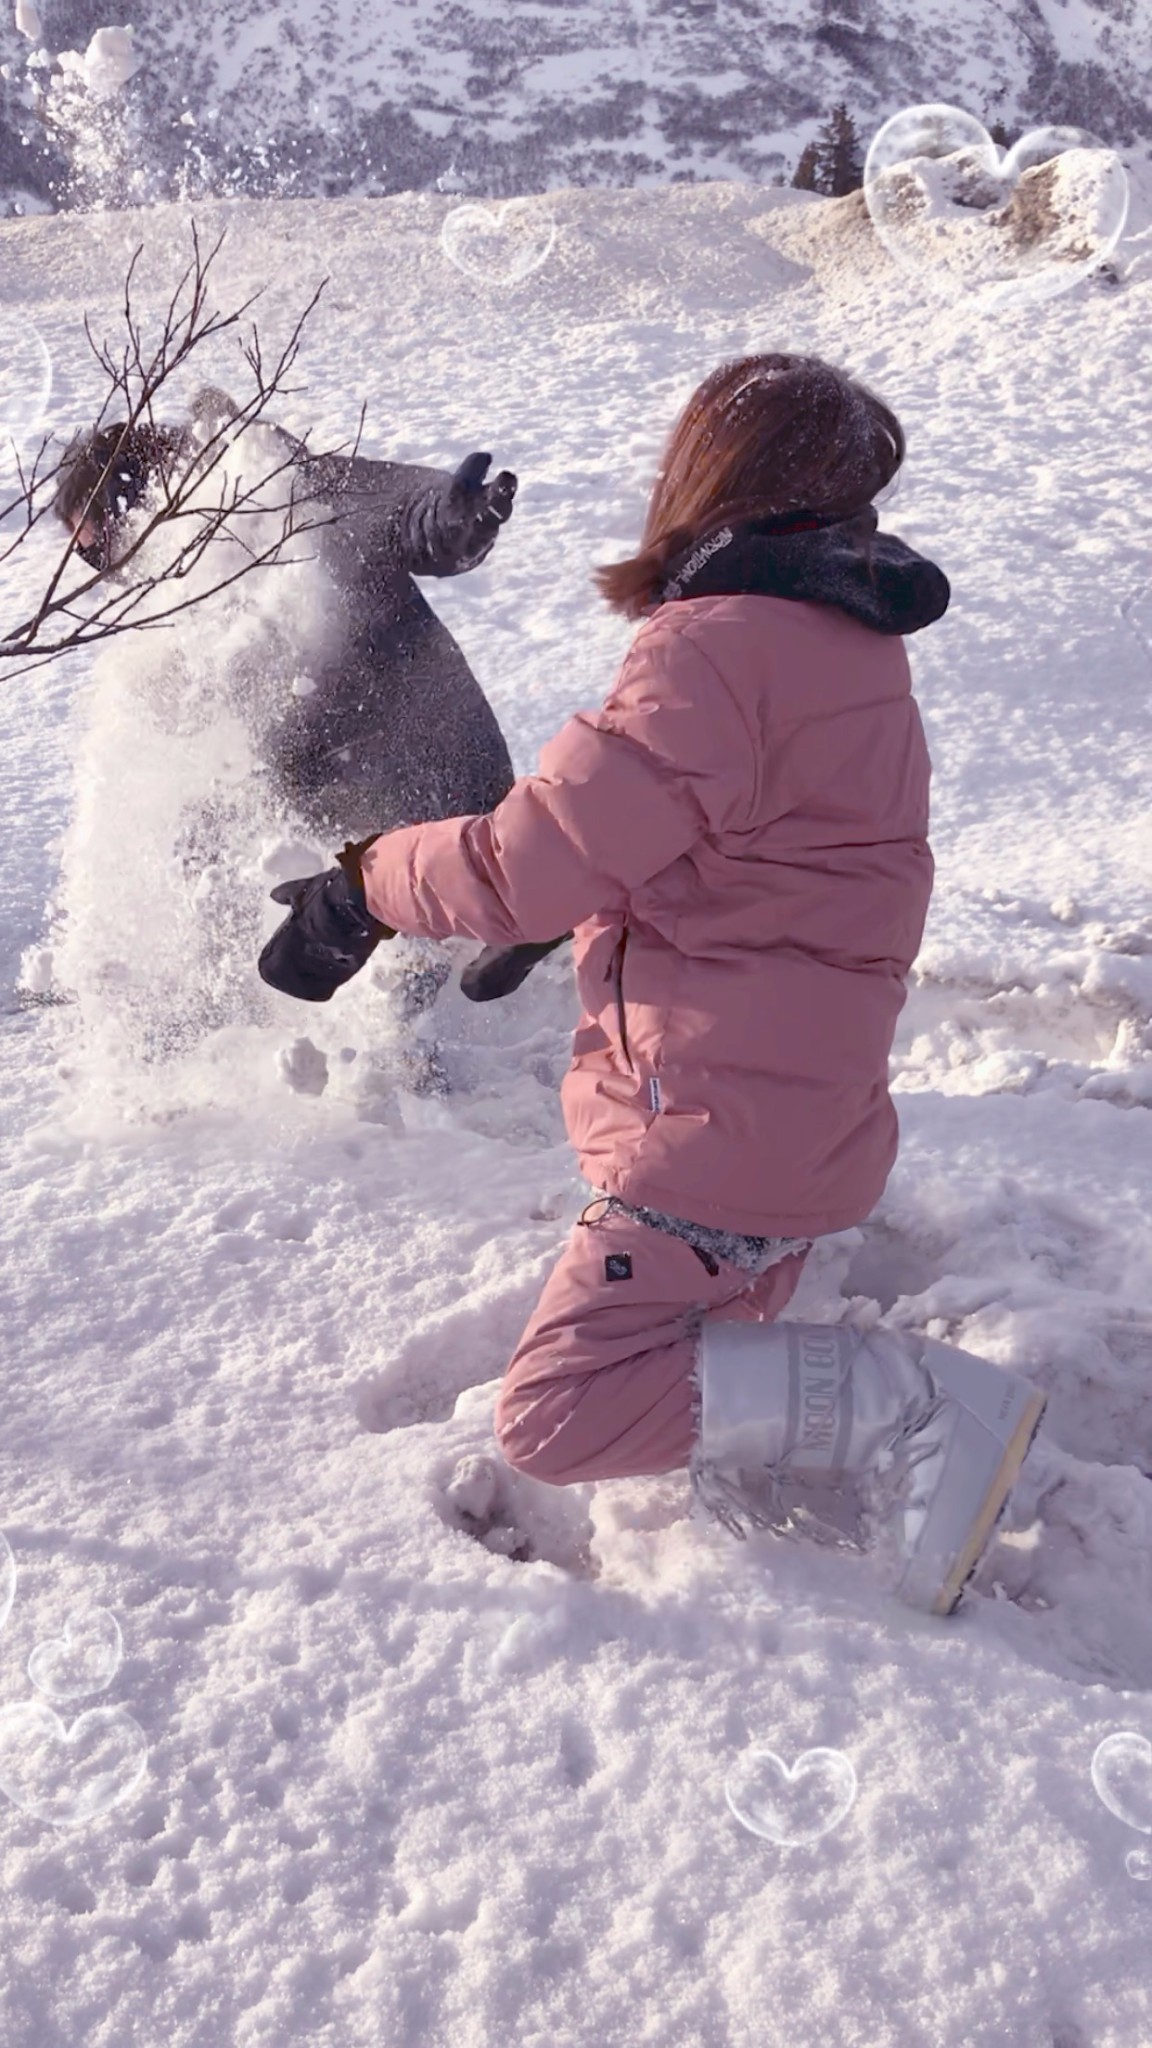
(615,974)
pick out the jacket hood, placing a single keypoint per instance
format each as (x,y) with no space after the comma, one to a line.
(813,559)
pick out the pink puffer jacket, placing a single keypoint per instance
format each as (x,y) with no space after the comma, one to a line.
(738,838)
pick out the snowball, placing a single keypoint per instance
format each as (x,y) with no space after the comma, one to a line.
(37,971)
(107,63)
(303,1067)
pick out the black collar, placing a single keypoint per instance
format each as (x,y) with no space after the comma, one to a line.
(812,558)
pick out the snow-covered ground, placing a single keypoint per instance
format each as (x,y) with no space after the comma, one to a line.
(399,1788)
(287,98)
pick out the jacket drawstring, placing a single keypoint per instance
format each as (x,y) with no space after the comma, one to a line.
(615,973)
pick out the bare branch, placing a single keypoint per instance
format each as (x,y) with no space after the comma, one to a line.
(181,515)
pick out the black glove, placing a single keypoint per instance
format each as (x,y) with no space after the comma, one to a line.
(456,528)
(330,934)
(499,970)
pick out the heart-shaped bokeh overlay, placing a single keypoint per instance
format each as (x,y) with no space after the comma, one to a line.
(1138,1864)
(1028,224)
(69,1775)
(85,1659)
(25,384)
(1122,1775)
(790,1805)
(501,244)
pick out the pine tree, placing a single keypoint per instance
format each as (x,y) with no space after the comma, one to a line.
(1000,135)
(839,164)
(804,176)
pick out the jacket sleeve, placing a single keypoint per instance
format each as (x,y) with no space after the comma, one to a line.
(424,546)
(395,509)
(620,794)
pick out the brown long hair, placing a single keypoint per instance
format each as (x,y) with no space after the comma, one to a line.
(761,436)
(106,466)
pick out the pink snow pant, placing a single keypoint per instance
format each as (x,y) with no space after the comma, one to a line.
(603,1382)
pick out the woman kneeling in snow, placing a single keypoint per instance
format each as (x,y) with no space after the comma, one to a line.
(738,837)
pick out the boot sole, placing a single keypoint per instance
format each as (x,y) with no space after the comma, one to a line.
(1007,1473)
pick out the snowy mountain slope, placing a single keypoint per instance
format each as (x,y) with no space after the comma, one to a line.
(401,1788)
(356,96)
